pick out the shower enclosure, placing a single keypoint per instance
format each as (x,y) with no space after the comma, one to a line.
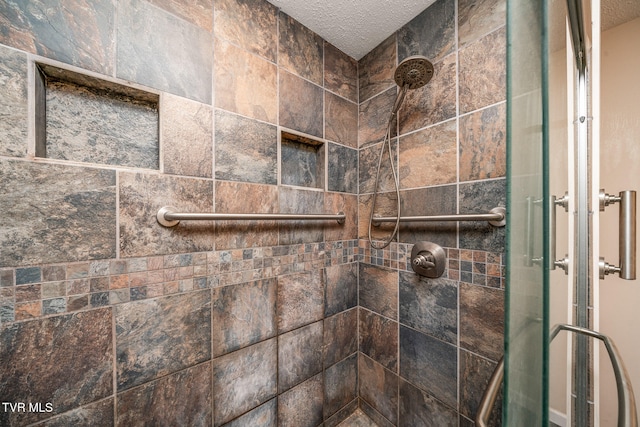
(573,172)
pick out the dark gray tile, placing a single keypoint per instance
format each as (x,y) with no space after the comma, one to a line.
(299,355)
(13,102)
(430,364)
(474,378)
(378,339)
(35,353)
(417,408)
(340,336)
(481,197)
(482,320)
(375,69)
(183,398)
(368,167)
(85,220)
(293,200)
(153,46)
(83,38)
(343,169)
(341,288)
(249,24)
(371,417)
(156,337)
(302,405)
(378,290)
(300,299)
(373,117)
(429,201)
(246,150)
(142,195)
(378,387)
(431,33)
(302,162)
(243,380)
(301,105)
(340,385)
(343,415)
(243,314)
(429,305)
(300,50)
(265,415)
(340,73)
(98,414)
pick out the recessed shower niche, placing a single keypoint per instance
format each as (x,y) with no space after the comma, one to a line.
(86,119)
(302,160)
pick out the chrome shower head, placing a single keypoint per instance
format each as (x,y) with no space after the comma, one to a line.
(414,72)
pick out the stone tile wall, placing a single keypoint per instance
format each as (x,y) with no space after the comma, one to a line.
(428,346)
(115,320)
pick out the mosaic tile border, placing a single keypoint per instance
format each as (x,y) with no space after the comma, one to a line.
(476,267)
(38,291)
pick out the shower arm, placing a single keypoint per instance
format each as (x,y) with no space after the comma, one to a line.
(495,217)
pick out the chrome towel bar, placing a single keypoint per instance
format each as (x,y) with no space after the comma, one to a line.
(496,217)
(169,217)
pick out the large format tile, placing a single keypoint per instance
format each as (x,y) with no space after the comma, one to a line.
(482,320)
(265,415)
(183,398)
(293,200)
(341,288)
(302,405)
(481,197)
(483,72)
(378,339)
(429,305)
(340,73)
(378,387)
(238,197)
(187,139)
(341,120)
(430,364)
(418,408)
(244,379)
(378,290)
(249,24)
(340,385)
(340,336)
(142,195)
(431,33)
(300,299)
(244,83)
(477,18)
(80,33)
(98,414)
(66,361)
(429,201)
(483,144)
(58,213)
(300,50)
(198,12)
(375,69)
(246,150)
(301,105)
(429,157)
(343,169)
(348,204)
(153,46)
(243,314)
(156,337)
(373,117)
(299,355)
(13,102)
(475,372)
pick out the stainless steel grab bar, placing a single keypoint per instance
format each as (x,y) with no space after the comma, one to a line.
(495,217)
(627,415)
(168,217)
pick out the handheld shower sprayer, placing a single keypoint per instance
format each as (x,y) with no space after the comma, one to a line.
(412,73)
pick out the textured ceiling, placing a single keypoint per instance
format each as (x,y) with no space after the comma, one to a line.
(357,26)
(353,26)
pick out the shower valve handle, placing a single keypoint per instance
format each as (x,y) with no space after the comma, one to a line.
(426,262)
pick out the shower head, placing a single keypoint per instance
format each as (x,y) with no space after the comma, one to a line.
(414,72)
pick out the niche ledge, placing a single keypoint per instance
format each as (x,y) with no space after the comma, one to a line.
(86,119)
(302,160)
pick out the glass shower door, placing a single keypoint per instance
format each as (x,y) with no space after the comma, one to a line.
(527,329)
